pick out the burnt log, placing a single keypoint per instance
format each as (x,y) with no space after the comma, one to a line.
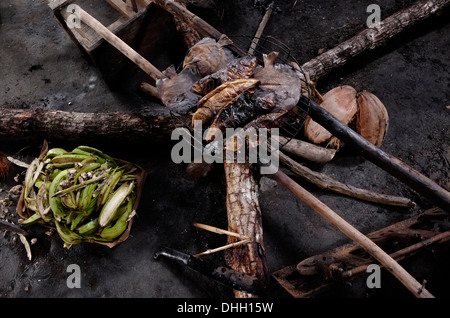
(372,38)
(244,218)
(63,125)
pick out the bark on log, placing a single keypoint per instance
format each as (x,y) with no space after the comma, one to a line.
(244,218)
(371,38)
(63,125)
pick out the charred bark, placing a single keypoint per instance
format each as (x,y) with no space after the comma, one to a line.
(63,125)
(244,218)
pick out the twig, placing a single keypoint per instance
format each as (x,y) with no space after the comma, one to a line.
(222,248)
(327,183)
(220,231)
(244,239)
(149,89)
(261,28)
(401,254)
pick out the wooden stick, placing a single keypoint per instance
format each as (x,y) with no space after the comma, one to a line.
(149,90)
(220,231)
(260,29)
(411,177)
(115,41)
(369,246)
(190,36)
(371,38)
(327,183)
(223,248)
(307,150)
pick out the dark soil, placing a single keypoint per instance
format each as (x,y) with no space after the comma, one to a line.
(411,75)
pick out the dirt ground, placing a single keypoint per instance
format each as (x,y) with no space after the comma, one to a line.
(411,75)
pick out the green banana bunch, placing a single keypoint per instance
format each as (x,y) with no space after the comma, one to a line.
(84,193)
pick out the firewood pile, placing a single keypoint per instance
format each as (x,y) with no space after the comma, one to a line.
(221,86)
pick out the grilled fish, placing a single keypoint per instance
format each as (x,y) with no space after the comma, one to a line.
(176,91)
(280,82)
(209,55)
(238,114)
(225,94)
(238,68)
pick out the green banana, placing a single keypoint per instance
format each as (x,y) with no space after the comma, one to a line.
(89,228)
(77,220)
(78,151)
(109,187)
(116,200)
(55,152)
(67,235)
(86,196)
(55,202)
(113,231)
(99,153)
(32,219)
(69,201)
(68,160)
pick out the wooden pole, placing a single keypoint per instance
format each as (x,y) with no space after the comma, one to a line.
(260,29)
(119,44)
(387,261)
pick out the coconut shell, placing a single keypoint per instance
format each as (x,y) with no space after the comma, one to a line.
(339,102)
(372,119)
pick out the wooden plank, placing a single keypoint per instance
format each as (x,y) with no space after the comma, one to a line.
(143,3)
(58,4)
(123,8)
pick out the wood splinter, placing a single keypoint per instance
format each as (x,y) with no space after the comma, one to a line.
(243,239)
